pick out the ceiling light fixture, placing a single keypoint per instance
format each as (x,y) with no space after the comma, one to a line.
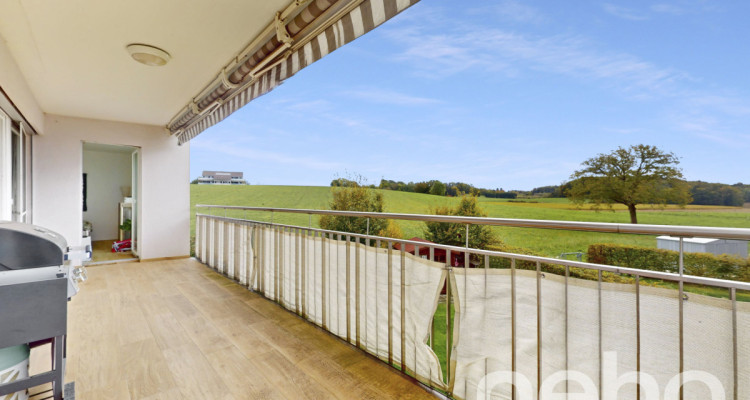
(148,55)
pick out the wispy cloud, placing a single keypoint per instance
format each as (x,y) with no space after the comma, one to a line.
(385,96)
(664,8)
(309,106)
(439,56)
(623,12)
(512,10)
(659,9)
(708,127)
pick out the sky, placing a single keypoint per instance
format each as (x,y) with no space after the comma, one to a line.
(504,94)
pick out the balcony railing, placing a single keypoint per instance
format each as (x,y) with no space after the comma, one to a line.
(518,326)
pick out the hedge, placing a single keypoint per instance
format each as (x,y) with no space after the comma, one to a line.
(581,273)
(696,264)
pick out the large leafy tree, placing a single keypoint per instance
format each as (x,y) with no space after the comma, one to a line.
(640,174)
(480,236)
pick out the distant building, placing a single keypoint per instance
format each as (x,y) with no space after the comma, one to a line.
(704,245)
(221,178)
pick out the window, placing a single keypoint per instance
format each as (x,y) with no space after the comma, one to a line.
(6,188)
(15,171)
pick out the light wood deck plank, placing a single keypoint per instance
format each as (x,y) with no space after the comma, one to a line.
(178,330)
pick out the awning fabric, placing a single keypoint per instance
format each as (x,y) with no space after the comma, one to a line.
(240,86)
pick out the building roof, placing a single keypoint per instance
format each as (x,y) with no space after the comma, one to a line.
(696,240)
(409,248)
(222,173)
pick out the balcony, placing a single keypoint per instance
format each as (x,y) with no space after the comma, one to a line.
(513,326)
(178,330)
(278,311)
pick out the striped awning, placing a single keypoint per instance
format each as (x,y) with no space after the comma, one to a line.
(285,47)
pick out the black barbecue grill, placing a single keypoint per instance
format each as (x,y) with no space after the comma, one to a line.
(36,282)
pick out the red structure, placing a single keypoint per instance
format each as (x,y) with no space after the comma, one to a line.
(457,259)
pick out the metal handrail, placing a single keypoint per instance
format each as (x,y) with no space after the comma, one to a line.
(666,276)
(602,227)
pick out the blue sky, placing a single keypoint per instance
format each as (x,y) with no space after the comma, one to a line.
(504,94)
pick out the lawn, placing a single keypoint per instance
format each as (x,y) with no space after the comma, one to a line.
(542,241)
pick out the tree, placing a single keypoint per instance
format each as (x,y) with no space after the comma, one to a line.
(421,187)
(636,175)
(392,230)
(480,236)
(343,182)
(438,188)
(354,197)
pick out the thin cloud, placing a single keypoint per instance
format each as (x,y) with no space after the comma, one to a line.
(384,96)
(309,106)
(439,56)
(664,8)
(623,12)
(512,10)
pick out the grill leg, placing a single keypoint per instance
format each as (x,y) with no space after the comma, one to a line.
(58,346)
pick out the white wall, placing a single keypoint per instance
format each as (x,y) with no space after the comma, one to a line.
(14,85)
(164,196)
(106,172)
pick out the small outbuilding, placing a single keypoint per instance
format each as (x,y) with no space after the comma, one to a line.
(704,245)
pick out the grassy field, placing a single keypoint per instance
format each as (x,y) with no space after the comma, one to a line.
(542,241)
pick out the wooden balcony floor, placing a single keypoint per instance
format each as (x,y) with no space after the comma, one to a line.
(178,330)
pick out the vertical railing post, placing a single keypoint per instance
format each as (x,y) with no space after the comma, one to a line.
(297,277)
(323,282)
(303,272)
(358,316)
(682,320)
(735,348)
(448,322)
(390,303)
(567,368)
(486,270)
(432,318)
(538,326)
(198,237)
(403,307)
(513,322)
(638,335)
(348,290)
(601,345)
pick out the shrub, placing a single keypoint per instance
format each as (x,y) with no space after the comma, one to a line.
(697,264)
(581,273)
(354,198)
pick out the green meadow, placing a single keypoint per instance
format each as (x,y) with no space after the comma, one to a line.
(541,241)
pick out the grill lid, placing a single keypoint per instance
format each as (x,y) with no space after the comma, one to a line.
(29,246)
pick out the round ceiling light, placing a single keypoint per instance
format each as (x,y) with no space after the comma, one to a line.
(148,55)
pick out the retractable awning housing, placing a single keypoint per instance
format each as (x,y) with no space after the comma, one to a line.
(299,35)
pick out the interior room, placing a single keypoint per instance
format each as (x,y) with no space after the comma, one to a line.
(108,202)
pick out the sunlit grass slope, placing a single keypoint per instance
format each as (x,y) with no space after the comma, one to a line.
(545,242)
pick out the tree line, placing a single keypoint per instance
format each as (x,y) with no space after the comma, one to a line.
(434,187)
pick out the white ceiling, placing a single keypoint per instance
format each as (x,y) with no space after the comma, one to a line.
(73,56)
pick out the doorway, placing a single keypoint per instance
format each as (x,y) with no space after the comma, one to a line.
(110,206)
